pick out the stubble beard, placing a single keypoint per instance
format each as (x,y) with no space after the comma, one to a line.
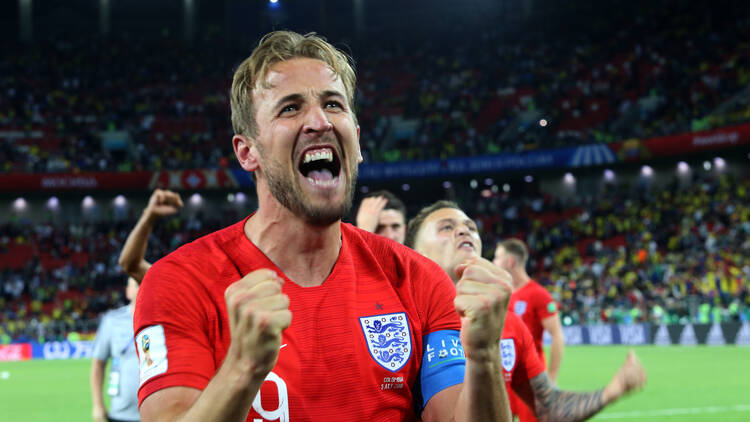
(286,189)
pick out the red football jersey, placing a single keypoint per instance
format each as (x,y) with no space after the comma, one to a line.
(533,303)
(354,348)
(519,360)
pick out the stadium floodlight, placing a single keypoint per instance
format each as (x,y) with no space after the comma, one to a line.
(683,167)
(19,204)
(473,183)
(647,171)
(486,193)
(569,179)
(495,189)
(707,165)
(609,175)
(405,187)
(230,197)
(88,202)
(720,163)
(447,184)
(53,203)
(273,1)
(506,187)
(273,4)
(543,122)
(489,182)
(120,201)
(196,199)
(240,198)
(529,178)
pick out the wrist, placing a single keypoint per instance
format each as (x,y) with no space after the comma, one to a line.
(612,391)
(148,216)
(485,355)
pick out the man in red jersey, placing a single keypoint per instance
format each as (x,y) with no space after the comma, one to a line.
(443,233)
(532,302)
(291,315)
(535,306)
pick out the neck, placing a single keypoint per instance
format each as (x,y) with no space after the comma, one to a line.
(305,253)
(520,278)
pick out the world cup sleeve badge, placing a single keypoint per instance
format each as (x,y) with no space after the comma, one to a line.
(152,351)
(388,339)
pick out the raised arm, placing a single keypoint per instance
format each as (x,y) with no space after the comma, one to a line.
(369,211)
(482,296)
(132,257)
(258,312)
(557,405)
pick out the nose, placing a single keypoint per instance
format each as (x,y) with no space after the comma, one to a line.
(316,121)
(462,230)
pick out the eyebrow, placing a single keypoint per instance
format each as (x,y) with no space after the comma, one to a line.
(299,97)
(468,221)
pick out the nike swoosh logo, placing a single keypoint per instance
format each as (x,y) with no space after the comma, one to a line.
(282,346)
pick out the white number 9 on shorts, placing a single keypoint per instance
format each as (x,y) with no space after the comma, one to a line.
(281,413)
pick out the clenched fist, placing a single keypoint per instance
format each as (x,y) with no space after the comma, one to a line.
(258,312)
(631,376)
(482,296)
(163,202)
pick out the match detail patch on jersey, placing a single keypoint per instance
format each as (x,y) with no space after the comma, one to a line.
(508,354)
(152,352)
(388,339)
(519,308)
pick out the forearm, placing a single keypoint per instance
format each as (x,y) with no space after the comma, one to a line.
(556,405)
(96,381)
(483,397)
(134,251)
(555,356)
(227,397)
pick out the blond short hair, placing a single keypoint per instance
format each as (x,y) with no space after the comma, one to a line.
(276,47)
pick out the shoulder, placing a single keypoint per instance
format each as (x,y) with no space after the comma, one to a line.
(115,314)
(394,258)
(205,254)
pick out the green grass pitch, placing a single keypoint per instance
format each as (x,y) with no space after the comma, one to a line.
(694,384)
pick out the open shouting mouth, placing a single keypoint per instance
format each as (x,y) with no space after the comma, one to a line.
(320,165)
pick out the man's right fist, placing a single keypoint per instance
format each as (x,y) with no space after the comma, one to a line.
(258,312)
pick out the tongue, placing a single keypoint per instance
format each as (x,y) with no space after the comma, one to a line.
(321,175)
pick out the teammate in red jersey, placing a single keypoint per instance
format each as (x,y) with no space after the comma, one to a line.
(291,315)
(537,309)
(443,233)
(532,302)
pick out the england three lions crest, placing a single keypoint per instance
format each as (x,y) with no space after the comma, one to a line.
(388,339)
(508,354)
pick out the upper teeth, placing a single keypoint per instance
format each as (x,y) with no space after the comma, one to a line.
(325,154)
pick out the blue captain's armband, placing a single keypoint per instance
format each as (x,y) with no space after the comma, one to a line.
(443,363)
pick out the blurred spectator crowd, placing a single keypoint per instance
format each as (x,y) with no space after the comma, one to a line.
(677,254)
(127,104)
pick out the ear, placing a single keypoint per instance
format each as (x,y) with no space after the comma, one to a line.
(359,149)
(246,152)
